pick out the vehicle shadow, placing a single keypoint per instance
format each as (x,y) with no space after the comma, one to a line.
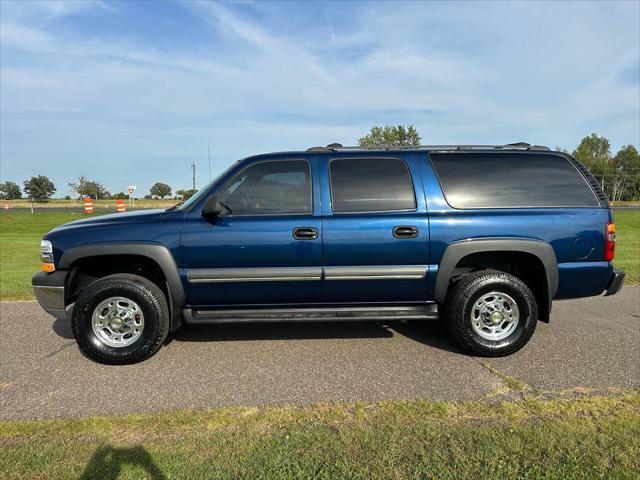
(62,328)
(247,331)
(106,463)
(430,333)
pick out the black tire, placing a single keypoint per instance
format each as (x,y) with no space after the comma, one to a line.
(467,291)
(149,298)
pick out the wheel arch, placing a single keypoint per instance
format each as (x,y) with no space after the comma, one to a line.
(457,251)
(155,253)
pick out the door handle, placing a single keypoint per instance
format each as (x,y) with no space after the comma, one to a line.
(305,233)
(405,231)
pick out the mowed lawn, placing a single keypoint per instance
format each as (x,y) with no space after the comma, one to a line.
(580,438)
(20,234)
(628,245)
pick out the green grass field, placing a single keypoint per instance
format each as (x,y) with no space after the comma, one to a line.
(587,437)
(628,245)
(20,234)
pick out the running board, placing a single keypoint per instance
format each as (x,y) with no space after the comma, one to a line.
(322,314)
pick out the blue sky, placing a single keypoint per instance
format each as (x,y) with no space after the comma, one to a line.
(132,92)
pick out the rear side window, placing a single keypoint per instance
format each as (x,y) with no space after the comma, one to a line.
(510,180)
(370,185)
(270,188)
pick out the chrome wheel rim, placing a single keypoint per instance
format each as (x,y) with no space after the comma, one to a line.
(117,322)
(495,315)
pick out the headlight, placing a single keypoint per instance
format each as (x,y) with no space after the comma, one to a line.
(46,256)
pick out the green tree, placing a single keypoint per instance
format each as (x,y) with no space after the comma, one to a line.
(391,136)
(186,194)
(626,174)
(10,191)
(39,189)
(120,196)
(595,152)
(161,190)
(89,188)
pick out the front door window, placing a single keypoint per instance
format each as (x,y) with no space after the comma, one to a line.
(280,187)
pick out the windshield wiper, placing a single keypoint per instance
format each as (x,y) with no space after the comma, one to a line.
(227,207)
(173,207)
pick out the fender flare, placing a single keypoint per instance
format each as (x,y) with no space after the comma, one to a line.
(158,253)
(458,250)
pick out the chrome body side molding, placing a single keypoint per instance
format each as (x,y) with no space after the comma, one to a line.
(268,274)
(290,274)
(378,272)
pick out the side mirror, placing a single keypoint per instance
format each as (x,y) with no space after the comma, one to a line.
(212,208)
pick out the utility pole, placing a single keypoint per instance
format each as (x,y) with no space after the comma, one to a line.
(209,150)
(193,174)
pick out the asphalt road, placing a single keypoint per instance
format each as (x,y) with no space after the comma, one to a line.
(590,343)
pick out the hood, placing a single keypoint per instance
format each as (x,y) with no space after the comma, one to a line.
(112,219)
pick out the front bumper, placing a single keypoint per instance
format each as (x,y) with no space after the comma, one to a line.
(615,284)
(49,291)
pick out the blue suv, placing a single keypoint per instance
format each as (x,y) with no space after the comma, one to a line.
(482,237)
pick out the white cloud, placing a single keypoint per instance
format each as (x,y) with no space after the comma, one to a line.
(45,11)
(465,73)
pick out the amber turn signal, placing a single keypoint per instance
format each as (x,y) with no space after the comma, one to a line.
(48,267)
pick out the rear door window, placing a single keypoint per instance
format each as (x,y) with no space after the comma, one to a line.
(511,180)
(370,185)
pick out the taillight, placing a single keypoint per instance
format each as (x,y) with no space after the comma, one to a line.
(610,241)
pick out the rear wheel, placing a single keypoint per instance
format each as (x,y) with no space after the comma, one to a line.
(120,319)
(491,313)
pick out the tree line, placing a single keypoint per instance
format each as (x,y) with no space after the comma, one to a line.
(619,174)
(40,189)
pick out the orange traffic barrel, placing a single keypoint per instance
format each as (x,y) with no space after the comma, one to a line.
(6,206)
(88,205)
(120,208)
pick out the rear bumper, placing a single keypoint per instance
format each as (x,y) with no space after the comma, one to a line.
(615,284)
(49,291)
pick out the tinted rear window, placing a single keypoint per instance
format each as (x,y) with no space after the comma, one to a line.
(509,180)
(371,185)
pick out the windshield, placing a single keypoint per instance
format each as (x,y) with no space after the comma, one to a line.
(196,196)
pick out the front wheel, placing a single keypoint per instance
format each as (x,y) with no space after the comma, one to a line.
(120,319)
(491,313)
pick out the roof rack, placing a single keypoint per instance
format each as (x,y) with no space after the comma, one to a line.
(333,147)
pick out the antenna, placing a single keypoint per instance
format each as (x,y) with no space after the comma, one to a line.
(209,150)
(193,174)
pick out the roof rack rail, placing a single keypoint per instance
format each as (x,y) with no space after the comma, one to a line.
(332,147)
(329,148)
(508,146)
